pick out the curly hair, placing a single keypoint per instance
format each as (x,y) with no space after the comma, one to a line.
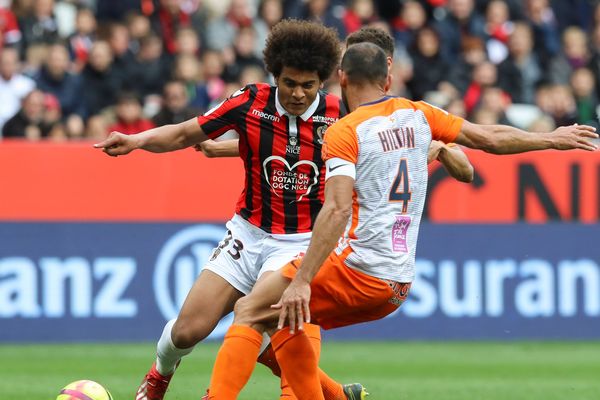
(304,45)
(372,35)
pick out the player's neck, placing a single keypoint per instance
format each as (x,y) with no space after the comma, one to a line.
(358,96)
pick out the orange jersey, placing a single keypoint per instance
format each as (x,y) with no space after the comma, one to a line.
(387,142)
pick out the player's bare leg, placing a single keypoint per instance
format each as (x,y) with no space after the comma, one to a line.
(210,298)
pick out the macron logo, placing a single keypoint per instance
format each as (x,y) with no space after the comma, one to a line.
(264,115)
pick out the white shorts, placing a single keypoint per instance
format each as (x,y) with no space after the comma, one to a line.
(247,252)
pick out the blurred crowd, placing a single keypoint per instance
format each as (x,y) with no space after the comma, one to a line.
(72,69)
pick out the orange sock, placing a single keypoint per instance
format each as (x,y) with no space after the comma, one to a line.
(298,363)
(267,358)
(235,362)
(332,390)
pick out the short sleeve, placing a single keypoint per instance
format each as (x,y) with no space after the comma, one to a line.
(227,115)
(444,126)
(340,142)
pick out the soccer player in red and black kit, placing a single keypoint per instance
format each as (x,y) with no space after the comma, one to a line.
(281,132)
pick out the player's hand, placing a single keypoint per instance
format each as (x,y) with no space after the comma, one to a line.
(118,144)
(434,150)
(574,137)
(294,305)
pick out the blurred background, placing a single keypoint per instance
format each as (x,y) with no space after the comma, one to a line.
(100,249)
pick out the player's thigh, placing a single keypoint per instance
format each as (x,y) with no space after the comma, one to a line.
(210,299)
(255,308)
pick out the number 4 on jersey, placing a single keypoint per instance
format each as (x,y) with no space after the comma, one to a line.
(400,188)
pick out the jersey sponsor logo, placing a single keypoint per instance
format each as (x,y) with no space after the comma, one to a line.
(324,119)
(399,231)
(289,178)
(264,115)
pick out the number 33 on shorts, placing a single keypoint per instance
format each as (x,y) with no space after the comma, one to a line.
(234,251)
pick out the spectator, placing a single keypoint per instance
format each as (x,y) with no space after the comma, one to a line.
(80,42)
(546,36)
(14,86)
(498,28)
(29,122)
(40,25)
(461,71)
(270,12)
(138,26)
(35,57)
(575,54)
(429,68)
(175,107)
(520,72)
(128,112)
(557,101)
(188,71)
(123,58)
(485,75)
(583,83)
(167,20)
(150,68)
(221,32)
(54,77)
(187,42)
(322,11)
(408,22)
(495,100)
(9,28)
(244,56)
(358,14)
(100,82)
(461,20)
(594,63)
(252,74)
(213,68)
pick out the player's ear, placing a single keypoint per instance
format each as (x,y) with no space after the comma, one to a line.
(343,78)
(388,83)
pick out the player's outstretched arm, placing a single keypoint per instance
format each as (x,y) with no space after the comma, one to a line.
(157,140)
(454,160)
(504,139)
(224,148)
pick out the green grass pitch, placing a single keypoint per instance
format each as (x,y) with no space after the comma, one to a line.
(390,370)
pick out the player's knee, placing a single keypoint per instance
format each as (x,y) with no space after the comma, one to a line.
(187,333)
(244,311)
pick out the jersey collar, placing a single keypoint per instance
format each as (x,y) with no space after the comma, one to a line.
(305,116)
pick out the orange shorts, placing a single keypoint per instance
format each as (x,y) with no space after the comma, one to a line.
(342,296)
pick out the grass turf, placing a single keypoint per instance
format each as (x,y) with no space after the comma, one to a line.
(390,370)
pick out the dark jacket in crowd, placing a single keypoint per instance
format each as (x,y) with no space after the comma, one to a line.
(67,90)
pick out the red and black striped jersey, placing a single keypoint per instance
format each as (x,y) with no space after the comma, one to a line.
(285,174)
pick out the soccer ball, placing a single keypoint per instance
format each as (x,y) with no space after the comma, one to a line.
(84,390)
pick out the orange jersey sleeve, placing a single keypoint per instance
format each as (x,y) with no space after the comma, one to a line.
(444,126)
(340,142)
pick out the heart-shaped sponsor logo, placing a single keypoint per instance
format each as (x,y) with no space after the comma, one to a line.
(290,178)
